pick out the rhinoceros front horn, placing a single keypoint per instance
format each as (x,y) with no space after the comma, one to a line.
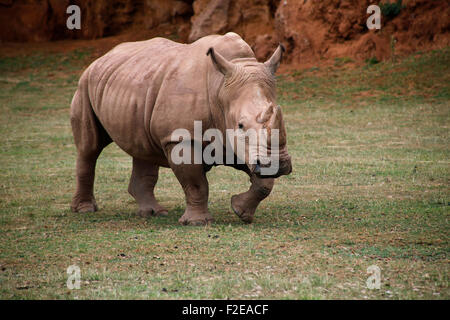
(274,61)
(265,115)
(223,65)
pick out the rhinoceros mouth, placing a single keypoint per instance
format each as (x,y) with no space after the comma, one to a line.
(272,170)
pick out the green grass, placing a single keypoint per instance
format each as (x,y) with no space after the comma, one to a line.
(370,186)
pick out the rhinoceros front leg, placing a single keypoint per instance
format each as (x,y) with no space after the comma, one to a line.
(142,184)
(192,178)
(245,204)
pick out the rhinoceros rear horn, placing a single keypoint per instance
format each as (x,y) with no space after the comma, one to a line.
(223,65)
(274,61)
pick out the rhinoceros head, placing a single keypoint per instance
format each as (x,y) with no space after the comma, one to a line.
(248,98)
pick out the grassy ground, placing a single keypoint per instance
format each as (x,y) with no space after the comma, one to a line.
(370,186)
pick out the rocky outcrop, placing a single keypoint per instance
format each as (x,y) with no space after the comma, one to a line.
(45,20)
(252,19)
(315,30)
(210,17)
(311,30)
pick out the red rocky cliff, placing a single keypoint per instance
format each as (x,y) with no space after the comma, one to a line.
(310,29)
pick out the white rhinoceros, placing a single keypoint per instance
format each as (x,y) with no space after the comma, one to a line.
(139,93)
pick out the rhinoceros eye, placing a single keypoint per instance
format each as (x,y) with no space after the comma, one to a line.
(241,126)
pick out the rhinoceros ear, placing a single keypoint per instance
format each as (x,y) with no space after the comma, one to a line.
(274,61)
(223,65)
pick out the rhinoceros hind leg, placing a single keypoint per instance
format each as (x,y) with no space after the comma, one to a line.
(90,139)
(142,184)
(84,201)
(245,204)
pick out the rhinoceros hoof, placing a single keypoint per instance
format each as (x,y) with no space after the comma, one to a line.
(147,213)
(197,222)
(192,219)
(84,207)
(244,212)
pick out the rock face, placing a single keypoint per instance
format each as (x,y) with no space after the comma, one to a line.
(45,20)
(210,17)
(314,30)
(254,20)
(311,30)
